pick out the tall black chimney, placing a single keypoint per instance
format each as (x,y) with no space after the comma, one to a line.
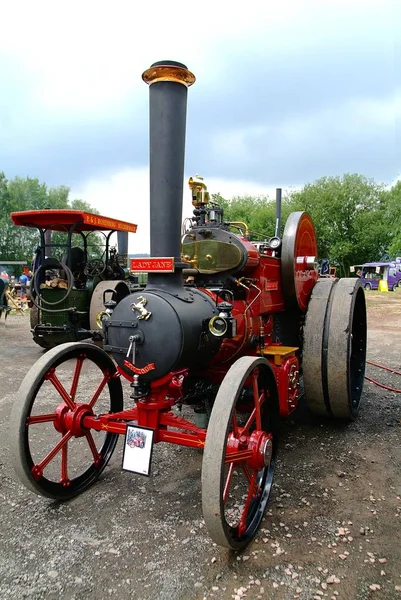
(169,82)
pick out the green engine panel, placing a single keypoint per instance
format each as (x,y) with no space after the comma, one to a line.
(77,299)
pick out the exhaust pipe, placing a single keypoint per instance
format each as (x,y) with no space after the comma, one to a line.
(122,247)
(168,89)
(278,212)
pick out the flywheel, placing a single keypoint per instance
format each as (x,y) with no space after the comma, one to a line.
(298,260)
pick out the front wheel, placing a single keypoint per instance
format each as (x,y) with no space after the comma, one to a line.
(53,454)
(240,453)
(368,286)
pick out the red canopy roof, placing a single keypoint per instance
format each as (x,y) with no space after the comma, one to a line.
(61,220)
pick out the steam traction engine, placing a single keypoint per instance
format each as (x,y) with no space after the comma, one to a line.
(224,325)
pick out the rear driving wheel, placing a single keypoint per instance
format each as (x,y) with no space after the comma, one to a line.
(53,454)
(346,349)
(314,362)
(334,352)
(240,453)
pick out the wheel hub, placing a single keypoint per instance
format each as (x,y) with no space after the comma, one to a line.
(267,451)
(259,443)
(71,420)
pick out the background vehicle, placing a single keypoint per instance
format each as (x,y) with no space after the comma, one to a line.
(372,273)
(72,271)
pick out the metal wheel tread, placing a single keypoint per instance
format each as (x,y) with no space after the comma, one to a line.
(348,309)
(314,354)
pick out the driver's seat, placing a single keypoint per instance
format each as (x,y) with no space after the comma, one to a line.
(78,259)
(78,263)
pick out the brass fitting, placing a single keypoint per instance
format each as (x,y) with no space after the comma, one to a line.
(168,72)
(241,224)
(200,195)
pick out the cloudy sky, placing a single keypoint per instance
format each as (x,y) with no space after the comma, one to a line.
(285,92)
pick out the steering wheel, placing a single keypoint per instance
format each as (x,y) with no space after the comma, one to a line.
(52,263)
(94,268)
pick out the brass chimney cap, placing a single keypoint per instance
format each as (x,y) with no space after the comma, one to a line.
(168,70)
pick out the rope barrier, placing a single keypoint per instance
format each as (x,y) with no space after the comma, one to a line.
(386,387)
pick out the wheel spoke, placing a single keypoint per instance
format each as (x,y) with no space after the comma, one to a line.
(256,412)
(52,377)
(257,399)
(77,373)
(99,390)
(53,452)
(249,422)
(228,482)
(248,473)
(64,464)
(41,419)
(235,424)
(242,524)
(92,446)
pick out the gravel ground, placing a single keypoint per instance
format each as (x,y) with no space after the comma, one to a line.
(332,531)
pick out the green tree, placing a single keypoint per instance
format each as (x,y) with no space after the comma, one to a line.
(19,243)
(349,214)
(393,218)
(258,213)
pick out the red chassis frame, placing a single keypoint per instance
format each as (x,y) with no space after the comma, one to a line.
(77,420)
(155,414)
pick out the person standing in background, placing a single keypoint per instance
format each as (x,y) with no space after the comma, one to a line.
(23,280)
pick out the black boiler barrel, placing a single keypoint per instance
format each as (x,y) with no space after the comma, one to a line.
(168,89)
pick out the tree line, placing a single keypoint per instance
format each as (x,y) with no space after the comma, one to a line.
(19,243)
(357,220)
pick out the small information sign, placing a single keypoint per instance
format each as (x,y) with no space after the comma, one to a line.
(138,447)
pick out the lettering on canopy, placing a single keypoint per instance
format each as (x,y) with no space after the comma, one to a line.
(108,223)
(154,265)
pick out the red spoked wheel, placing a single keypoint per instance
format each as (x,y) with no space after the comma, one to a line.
(240,453)
(53,454)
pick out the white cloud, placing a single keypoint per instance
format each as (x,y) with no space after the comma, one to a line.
(122,195)
(73,71)
(125,195)
(354,119)
(87,57)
